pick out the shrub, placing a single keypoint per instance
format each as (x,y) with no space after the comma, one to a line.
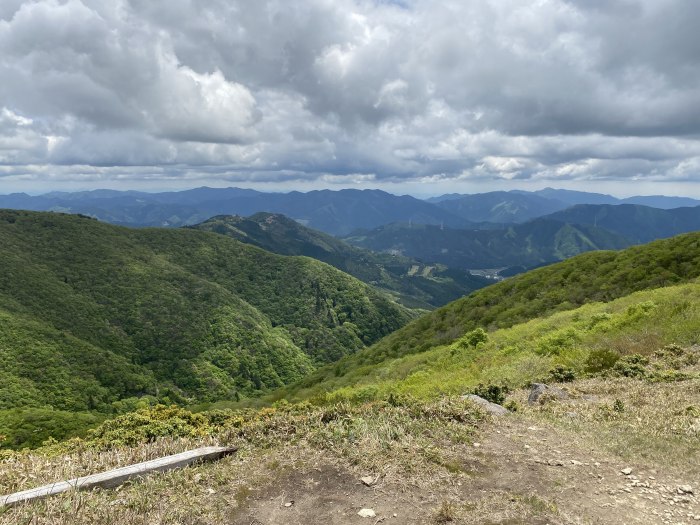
(148,424)
(474,338)
(632,366)
(600,360)
(494,393)
(598,318)
(562,374)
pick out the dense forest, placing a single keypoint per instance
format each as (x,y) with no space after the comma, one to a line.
(93,314)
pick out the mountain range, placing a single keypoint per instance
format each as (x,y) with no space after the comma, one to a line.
(335,212)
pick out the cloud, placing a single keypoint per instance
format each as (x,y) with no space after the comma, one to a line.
(350,91)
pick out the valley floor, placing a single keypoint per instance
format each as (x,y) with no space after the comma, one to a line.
(560,462)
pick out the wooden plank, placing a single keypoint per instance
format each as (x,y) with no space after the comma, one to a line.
(114,478)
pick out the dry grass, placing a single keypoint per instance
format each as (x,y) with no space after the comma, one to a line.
(634,419)
(415,449)
(386,439)
(500,507)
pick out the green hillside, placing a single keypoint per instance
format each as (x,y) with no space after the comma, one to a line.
(411,282)
(587,278)
(596,276)
(563,346)
(93,313)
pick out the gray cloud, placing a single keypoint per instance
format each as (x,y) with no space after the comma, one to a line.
(351,91)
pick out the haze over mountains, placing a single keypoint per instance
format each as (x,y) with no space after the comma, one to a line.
(530,244)
(335,212)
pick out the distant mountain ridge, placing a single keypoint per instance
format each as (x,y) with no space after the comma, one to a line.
(336,212)
(637,223)
(533,243)
(500,206)
(520,206)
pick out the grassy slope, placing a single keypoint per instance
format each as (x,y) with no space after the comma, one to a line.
(284,236)
(119,312)
(592,277)
(597,276)
(640,323)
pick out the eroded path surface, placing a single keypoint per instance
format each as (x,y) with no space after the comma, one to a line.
(520,469)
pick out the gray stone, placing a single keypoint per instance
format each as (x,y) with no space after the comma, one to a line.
(366,513)
(368,480)
(491,408)
(539,389)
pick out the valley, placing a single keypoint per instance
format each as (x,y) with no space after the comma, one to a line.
(325,362)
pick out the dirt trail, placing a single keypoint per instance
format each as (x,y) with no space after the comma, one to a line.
(519,471)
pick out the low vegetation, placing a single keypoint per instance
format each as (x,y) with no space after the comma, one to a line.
(590,277)
(619,338)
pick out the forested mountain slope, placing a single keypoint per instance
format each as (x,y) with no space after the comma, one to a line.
(500,206)
(533,243)
(637,223)
(94,313)
(413,283)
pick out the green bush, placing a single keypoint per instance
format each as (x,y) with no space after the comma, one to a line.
(600,360)
(474,338)
(634,365)
(148,424)
(562,374)
(494,393)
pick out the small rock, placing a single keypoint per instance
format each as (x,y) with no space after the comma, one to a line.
(289,503)
(685,489)
(626,471)
(366,513)
(491,408)
(476,444)
(368,480)
(539,389)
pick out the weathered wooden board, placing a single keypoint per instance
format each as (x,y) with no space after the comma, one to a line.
(114,478)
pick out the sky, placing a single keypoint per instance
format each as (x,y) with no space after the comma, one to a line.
(415,96)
